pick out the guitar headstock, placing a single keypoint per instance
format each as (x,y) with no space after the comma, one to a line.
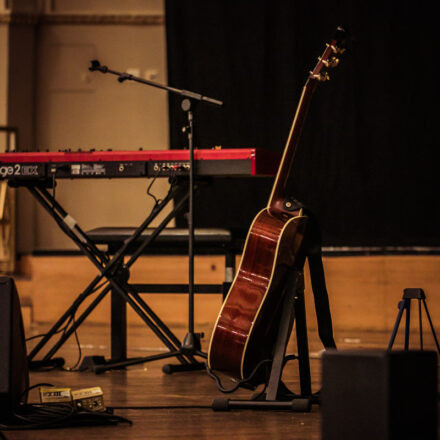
(330,57)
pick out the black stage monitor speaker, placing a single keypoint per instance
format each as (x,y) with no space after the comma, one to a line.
(14,373)
(379,395)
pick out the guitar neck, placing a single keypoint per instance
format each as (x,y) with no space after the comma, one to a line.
(278,195)
(277,201)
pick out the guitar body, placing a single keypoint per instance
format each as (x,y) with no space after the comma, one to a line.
(244,334)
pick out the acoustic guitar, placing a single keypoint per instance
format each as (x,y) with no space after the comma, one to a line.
(245,330)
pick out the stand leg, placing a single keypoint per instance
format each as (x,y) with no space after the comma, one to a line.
(73,327)
(56,326)
(420,323)
(300,405)
(284,330)
(135,361)
(118,327)
(407,323)
(302,342)
(432,327)
(278,397)
(401,307)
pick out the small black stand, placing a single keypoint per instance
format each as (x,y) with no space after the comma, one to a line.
(405,305)
(278,396)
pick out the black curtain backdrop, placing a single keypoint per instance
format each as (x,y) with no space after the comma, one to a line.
(367,161)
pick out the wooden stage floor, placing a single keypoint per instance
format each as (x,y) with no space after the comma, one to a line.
(161,395)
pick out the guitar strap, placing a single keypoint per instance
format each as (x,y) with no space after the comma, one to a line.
(320,295)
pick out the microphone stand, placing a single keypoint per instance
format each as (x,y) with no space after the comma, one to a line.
(191,343)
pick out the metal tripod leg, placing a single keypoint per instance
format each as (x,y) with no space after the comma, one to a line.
(431,325)
(402,306)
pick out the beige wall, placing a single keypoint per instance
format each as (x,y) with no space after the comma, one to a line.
(4,65)
(21,114)
(105,5)
(57,103)
(80,109)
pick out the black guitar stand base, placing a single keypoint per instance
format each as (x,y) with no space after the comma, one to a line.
(277,395)
(405,306)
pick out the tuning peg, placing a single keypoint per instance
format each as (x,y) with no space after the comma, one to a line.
(333,62)
(336,49)
(332,47)
(323,76)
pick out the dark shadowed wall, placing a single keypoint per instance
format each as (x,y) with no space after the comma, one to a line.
(367,163)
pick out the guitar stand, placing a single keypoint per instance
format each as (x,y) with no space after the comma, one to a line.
(277,395)
(405,306)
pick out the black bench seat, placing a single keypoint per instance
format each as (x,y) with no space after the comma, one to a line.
(171,241)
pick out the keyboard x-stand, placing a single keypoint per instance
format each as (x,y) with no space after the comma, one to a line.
(117,279)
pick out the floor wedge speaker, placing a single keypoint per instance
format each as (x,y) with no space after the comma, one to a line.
(14,373)
(379,395)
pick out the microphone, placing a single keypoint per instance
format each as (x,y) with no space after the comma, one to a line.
(96,65)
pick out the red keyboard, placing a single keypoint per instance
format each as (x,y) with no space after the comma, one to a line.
(228,162)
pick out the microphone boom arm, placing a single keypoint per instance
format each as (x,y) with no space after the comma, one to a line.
(123,76)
